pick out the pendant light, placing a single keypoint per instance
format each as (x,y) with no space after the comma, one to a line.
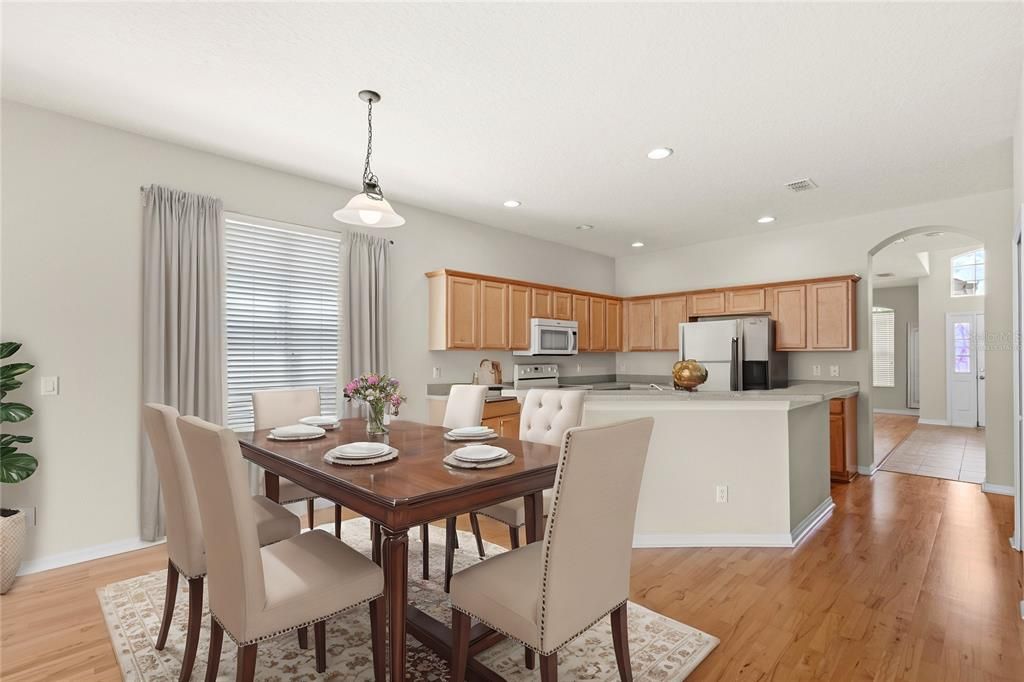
(370,208)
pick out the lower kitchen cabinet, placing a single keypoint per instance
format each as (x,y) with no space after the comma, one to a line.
(503,417)
(842,426)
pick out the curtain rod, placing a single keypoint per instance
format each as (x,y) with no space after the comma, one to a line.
(143,188)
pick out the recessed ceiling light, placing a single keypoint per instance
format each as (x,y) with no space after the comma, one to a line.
(584,227)
(934,234)
(659,153)
(637,245)
(512,203)
(766,219)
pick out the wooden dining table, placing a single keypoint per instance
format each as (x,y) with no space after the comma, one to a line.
(414,489)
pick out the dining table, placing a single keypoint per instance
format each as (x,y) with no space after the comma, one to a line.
(413,489)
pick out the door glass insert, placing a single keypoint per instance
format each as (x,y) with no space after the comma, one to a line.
(962,347)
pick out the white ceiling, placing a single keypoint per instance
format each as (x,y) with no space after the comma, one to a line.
(556,105)
(912,259)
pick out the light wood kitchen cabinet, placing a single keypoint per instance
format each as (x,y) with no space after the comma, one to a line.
(519,317)
(561,305)
(831,315)
(503,417)
(842,423)
(744,301)
(541,303)
(789,310)
(454,320)
(581,313)
(708,303)
(598,324)
(613,311)
(494,318)
(669,312)
(640,326)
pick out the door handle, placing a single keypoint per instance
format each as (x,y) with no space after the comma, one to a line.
(981,377)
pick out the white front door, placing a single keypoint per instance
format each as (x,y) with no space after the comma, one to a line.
(979,345)
(963,369)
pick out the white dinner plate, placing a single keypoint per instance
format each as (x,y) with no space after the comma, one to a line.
(360,450)
(297,431)
(471,431)
(325,422)
(480,453)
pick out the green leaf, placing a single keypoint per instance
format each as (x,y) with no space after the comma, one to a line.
(9,348)
(16,466)
(14,369)
(14,412)
(7,385)
(8,438)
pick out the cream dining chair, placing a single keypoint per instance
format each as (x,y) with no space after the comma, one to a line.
(546,594)
(283,407)
(545,417)
(259,593)
(186,549)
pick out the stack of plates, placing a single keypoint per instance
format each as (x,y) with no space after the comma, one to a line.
(329,423)
(296,432)
(478,454)
(471,433)
(360,453)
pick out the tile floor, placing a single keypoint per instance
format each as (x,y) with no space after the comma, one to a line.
(953,453)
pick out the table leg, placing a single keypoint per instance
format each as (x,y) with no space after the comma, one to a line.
(375,539)
(271,486)
(396,577)
(534,516)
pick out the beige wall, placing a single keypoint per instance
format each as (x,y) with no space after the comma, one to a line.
(71,269)
(903,301)
(842,247)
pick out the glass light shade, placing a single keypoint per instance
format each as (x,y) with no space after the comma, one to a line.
(362,210)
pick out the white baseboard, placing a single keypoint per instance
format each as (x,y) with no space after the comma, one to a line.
(811,520)
(997,489)
(77,556)
(934,422)
(867,470)
(897,410)
(737,539)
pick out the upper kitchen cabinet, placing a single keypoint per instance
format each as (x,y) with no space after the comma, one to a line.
(745,301)
(494,314)
(519,316)
(640,324)
(669,312)
(561,305)
(541,304)
(789,310)
(613,311)
(598,324)
(707,303)
(454,319)
(831,315)
(581,313)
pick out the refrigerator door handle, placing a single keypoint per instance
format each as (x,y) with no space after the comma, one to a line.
(734,366)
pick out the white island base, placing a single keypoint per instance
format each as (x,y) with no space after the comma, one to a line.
(771,454)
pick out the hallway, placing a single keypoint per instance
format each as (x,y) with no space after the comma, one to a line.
(952,453)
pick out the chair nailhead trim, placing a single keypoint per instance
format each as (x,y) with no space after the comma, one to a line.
(264,638)
(185,575)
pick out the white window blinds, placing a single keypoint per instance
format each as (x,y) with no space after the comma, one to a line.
(281,314)
(883,343)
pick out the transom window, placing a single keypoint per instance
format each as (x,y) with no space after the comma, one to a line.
(883,346)
(968,273)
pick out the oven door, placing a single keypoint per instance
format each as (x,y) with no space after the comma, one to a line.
(553,341)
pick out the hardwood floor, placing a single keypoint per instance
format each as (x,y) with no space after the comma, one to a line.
(911,578)
(890,431)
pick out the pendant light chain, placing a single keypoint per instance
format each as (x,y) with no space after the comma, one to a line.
(371,185)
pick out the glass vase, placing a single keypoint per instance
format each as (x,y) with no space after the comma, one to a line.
(375,419)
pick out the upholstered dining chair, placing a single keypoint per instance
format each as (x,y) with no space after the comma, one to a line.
(465,407)
(186,548)
(547,593)
(283,407)
(258,593)
(545,417)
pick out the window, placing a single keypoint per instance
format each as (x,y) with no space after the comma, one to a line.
(962,347)
(968,273)
(883,344)
(281,313)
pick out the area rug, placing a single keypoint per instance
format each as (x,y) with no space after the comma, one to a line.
(662,649)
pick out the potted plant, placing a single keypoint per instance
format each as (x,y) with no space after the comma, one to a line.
(381,395)
(15,466)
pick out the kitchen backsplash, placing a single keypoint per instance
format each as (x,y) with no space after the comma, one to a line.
(458,366)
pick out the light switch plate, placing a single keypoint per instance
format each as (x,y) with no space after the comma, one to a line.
(816,370)
(49,386)
(437,372)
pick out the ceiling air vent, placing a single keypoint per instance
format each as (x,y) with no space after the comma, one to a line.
(802,185)
(886,275)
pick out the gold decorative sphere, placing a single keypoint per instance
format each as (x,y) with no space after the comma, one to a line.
(689,374)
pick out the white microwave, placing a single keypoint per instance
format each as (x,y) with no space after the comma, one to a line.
(552,337)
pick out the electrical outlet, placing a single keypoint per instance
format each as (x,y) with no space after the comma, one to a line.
(579,367)
(437,372)
(833,370)
(816,370)
(30,515)
(721,494)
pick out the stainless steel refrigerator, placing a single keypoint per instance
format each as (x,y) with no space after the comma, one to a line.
(739,353)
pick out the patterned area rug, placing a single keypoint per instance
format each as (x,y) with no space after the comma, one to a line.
(662,649)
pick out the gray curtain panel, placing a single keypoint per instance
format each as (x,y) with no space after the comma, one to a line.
(182,319)
(365,306)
